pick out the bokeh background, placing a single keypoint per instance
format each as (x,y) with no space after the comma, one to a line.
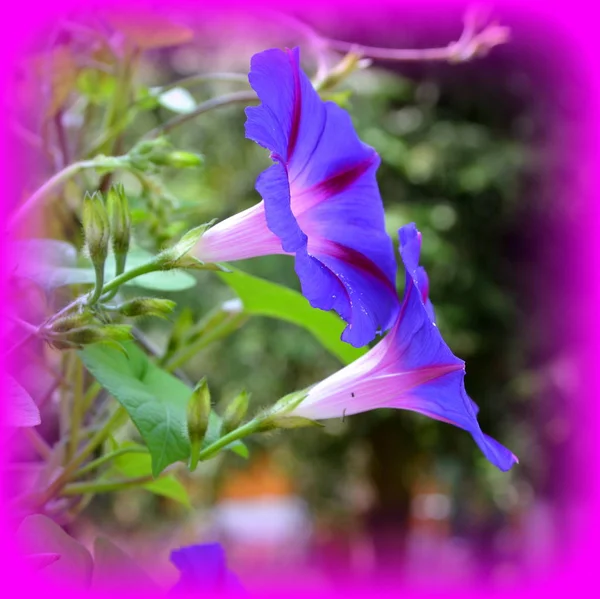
(474,154)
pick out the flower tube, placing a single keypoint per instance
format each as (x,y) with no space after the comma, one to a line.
(412,368)
(320,202)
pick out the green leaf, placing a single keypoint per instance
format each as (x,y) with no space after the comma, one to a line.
(51,264)
(133,465)
(155,400)
(263,298)
(177,100)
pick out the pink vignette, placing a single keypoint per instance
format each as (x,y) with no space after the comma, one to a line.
(574,51)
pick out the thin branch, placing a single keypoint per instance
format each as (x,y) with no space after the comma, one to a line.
(475,40)
(38,442)
(224,100)
(194,80)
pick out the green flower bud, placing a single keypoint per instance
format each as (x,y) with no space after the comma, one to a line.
(198,414)
(95,334)
(235,412)
(160,152)
(147,146)
(96,228)
(147,306)
(120,220)
(179,159)
(74,321)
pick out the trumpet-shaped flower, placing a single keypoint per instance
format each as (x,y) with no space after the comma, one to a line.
(412,368)
(320,202)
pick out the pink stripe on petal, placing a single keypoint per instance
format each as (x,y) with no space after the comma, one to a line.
(334,184)
(297,109)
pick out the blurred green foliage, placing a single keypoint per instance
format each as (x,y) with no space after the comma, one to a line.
(455,160)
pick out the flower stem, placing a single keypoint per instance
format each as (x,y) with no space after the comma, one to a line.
(77,412)
(99,270)
(99,437)
(239,433)
(38,442)
(185,353)
(142,269)
(90,395)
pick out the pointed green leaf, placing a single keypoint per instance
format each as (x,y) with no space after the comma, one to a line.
(155,400)
(264,298)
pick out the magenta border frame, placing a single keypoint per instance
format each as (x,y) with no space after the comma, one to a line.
(577,22)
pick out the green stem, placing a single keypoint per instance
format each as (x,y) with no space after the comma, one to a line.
(120,263)
(77,410)
(90,395)
(70,469)
(138,271)
(239,433)
(187,352)
(107,457)
(99,270)
(100,486)
(38,442)
(117,109)
(111,286)
(193,80)
(67,366)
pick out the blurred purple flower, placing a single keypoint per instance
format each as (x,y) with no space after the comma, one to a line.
(320,202)
(22,410)
(411,369)
(204,571)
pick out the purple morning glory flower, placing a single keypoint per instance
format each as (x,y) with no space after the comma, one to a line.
(204,571)
(411,369)
(320,202)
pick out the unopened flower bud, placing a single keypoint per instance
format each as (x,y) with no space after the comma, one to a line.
(120,220)
(198,414)
(179,159)
(67,323)
(160,152)
(147,306)
(96,334)
(96,228)
(235,412)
